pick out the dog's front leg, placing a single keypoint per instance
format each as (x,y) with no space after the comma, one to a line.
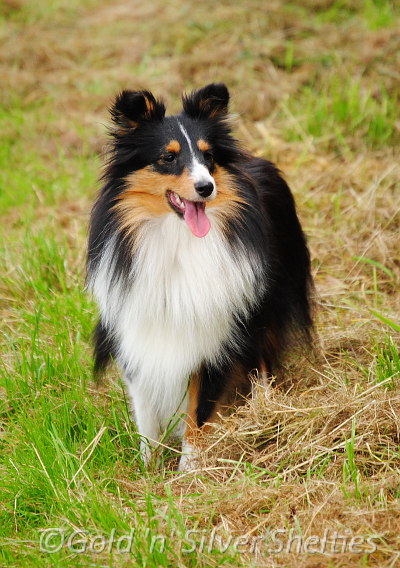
(190,450)
(192,443)
(147,422)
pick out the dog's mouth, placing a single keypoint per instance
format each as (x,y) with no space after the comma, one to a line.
(193,213)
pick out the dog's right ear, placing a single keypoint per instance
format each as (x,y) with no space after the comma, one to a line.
(131,108)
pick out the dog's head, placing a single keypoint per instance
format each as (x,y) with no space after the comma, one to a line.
(173,163)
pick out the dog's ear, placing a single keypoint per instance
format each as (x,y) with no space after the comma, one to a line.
(209,102)
(131,108)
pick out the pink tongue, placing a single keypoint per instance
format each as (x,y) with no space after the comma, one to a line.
(196,218)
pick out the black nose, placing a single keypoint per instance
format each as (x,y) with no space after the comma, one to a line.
(204,189)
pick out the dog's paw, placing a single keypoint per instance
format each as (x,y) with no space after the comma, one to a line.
(189,459)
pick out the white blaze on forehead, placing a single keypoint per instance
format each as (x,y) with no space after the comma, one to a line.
(186,135)
(198,172)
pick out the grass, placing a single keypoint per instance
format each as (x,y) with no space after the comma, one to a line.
(346,112)
(306,473)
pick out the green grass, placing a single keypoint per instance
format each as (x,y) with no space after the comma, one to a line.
(387,363)
(343,115)
(315,86)
(350,469)
(373,14)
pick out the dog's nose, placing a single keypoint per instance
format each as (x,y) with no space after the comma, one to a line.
(204,188)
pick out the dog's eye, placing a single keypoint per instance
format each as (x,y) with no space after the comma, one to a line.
(169,158)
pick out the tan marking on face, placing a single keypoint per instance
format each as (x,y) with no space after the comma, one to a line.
(202,145)
(173,146)
(227,201)
(145,196)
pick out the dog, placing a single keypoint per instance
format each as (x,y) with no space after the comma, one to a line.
(198,263)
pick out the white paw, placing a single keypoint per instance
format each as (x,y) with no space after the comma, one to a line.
(261,382)
(145,452)
(150,454)
(189,458)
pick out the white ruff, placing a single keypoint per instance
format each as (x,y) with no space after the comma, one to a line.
(176,313)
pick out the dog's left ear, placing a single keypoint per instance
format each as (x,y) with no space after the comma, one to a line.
(131,108)
(209,102)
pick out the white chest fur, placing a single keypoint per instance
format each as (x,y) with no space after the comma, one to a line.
(179,308)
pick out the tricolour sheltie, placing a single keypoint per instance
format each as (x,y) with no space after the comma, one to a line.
(197,261)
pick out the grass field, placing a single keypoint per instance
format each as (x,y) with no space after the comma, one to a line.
(307,473)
